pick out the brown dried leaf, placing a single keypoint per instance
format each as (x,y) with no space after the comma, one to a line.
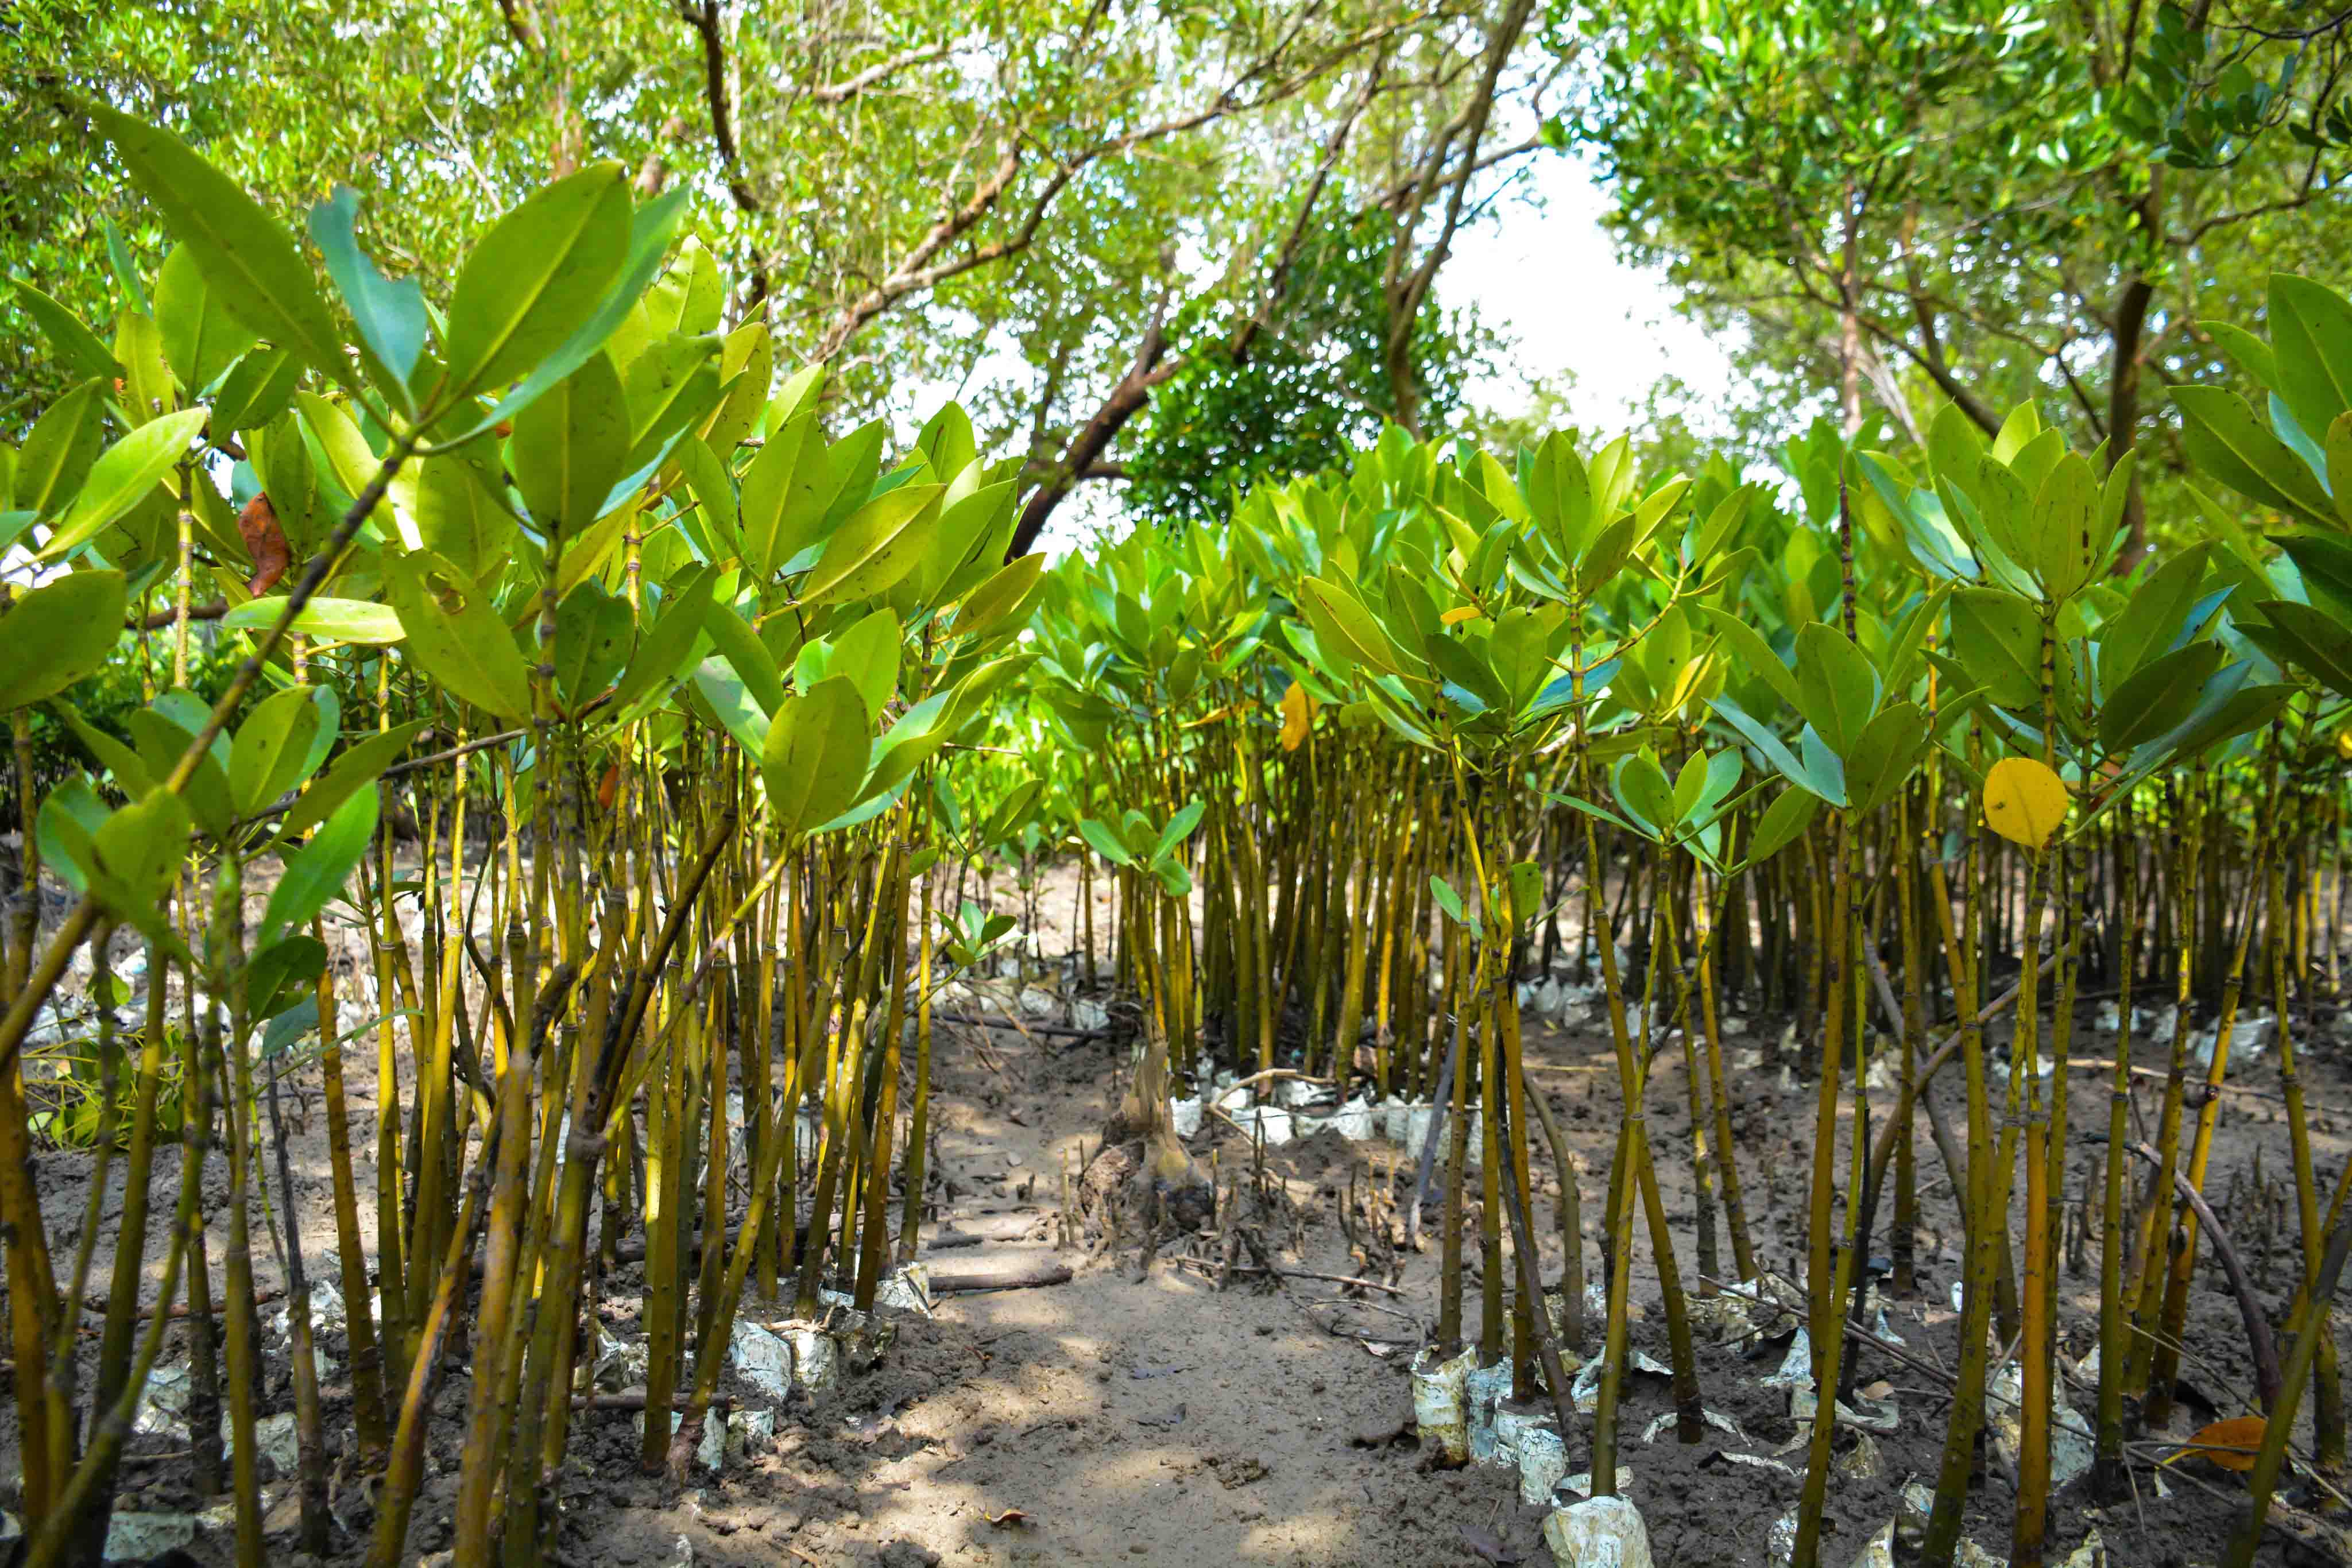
(2221,1441)
(1009,1517)
(265,542)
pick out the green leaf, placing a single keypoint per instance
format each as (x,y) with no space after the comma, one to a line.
(272,744)
(57,634)
(131,774)
(714,492)
(1839,687)
(357,768)
(247,260)
(330,619)
(1345,629)
(1644,794)
(200,337)
(1527,891)
(276,975)
(2069,546)
(650,232)
(317,872)
(1104,842)
(1180,828)
(878,544)
(460,511)
(457,637)
(815,757)
(1783,822)
(571,447)
(163,732)
(867,656)
(1884,755)
(136,857)
(255,391)
(147,387)
(74,342)
(1559,494)
(121,478)
(2311,345)
(536,280)
(1752,655)
(2249,350)
(2158,696)
(69,818)
(2151,617)
(1447,899)
(2223,438)
(2318,642)
(778,518)
(664,651)
(750,658)
(390,316)
(58,455)
(1008,590)
(732,706)
(1997,638)
(592,631)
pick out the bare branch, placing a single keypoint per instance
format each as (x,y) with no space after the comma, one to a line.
(841,91)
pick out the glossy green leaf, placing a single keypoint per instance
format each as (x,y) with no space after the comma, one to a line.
(878,544)
(2311,344)
(136,857)
(1009,589)
(123,476)
(1783,822)
(315,874)
(650,231)
(778,521)
(737,644)
(330,619)
(665,649)
(536,278)
(460,511)
(2068,546)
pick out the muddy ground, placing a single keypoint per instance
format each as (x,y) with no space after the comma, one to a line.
(1168,1421)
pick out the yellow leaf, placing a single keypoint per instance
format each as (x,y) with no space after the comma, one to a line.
(1459,614)
(2024,801)
(1297,713)
(2344,744)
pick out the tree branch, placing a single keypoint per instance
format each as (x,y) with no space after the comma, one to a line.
(704,18)
(841,91)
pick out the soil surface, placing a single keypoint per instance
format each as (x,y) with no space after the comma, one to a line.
(1205,1412)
